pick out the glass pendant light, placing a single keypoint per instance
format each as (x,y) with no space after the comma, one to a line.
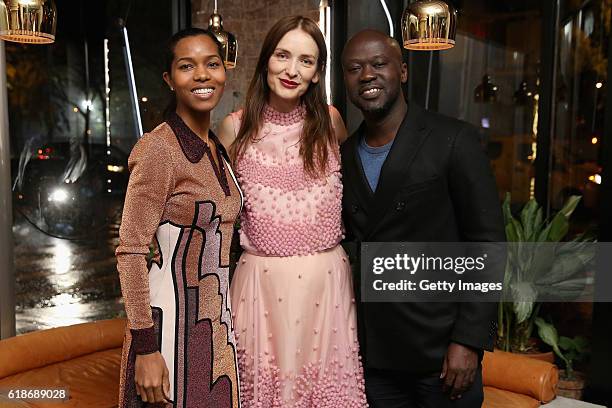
(429,25)
(227,39)
(28,21)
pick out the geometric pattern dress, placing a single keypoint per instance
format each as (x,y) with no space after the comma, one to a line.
(184,204)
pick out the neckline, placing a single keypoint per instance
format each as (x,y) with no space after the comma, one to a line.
(376,149)
(194,148)
(296,115)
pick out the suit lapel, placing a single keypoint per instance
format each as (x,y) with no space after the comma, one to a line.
(410,136)
(353,171)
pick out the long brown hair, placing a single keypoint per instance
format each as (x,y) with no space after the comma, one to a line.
(317,133)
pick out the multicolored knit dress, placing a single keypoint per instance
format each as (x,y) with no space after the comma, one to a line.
(292,293)
(185,203)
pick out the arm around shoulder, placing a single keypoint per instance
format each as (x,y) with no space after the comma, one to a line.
(227,132)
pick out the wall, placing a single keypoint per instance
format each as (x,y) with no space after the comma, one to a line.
(249,21)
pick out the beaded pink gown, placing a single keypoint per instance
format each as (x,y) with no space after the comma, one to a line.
(292,293)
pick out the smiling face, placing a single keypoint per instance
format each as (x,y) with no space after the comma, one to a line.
(292,67)
(373,72)
(197,74)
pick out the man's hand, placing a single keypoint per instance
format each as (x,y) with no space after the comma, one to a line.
(152,383)
(459,369)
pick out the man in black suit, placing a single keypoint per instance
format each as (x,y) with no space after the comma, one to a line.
(415,176)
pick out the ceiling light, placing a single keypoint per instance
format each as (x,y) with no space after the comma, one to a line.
(429,25)
(28,21)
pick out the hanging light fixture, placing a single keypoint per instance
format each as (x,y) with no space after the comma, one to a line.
(429,25)
(486,91)
(524,94)
(227,39)
(28,21)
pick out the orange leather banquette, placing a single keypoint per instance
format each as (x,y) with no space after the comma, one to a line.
(85,358)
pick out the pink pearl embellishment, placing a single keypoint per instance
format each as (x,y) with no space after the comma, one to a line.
(284,118)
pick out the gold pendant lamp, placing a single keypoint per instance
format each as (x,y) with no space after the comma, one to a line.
(429,25)
(28,21)
(227,39)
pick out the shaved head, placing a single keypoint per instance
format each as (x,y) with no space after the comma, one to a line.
(364,37)
(374,72)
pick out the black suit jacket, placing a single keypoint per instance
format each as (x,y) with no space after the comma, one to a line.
(436,185)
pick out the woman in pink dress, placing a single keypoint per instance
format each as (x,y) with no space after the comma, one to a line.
(292,293)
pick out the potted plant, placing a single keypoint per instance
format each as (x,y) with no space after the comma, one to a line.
(569,350)
(535,266)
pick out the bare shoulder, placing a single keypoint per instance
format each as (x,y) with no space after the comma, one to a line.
(227,131)
(333,113)
(338,124)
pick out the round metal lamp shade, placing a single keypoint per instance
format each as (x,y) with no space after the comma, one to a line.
(28,21)
(227,40)
(429,25)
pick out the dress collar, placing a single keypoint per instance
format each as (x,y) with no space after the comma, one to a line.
(284,118)
(194,148)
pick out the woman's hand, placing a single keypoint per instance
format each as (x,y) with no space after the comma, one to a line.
(152,383)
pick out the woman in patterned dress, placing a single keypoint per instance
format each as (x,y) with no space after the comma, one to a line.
(292,293)
(179,349)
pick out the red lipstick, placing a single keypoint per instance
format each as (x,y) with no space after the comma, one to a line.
(289,84)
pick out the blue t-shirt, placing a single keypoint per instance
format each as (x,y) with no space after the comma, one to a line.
(372,159)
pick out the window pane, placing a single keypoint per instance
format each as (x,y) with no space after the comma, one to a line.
(72,127)
(579,107)
(490,79)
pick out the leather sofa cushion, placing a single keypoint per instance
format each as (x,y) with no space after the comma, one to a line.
(41,348)
(92,380)
(519,374)
(496,398)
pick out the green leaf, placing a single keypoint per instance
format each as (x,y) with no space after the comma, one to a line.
(564,266)
(528,216)
(514,230)
(547,332)
(538,223)
(582,344)
(511,233)
(560,223)
(566,343)
(570,206)
(559,227)
(571,355)
(522,310)
(506,208)
(569,289)
(543,235)
(524,295)
(518,230)
(542,260)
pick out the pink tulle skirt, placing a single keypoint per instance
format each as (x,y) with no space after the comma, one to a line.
(296,331)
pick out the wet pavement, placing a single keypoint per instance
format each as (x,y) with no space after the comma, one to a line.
(61,282)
